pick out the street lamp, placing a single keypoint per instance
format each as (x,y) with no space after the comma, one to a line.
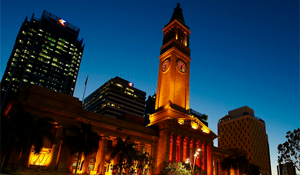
(197,152)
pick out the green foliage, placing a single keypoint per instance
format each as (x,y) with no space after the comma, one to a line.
(289,151)
(130,160)
(228,163)
(83,140)
(253,170)
(174,168)
(24,131)
(144,163)
(241,163)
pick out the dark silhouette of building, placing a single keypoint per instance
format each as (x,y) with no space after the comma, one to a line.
(47,53)
(286,169)
(116,98)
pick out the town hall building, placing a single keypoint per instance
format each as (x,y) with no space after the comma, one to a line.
(171,135)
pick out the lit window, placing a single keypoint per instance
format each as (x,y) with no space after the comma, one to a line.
(119,85)
(43,158)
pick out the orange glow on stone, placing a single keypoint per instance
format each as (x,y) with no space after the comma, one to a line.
(42,159)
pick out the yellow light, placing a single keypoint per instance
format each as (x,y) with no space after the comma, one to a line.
(93,172)
(206,130)
(43,159)
(194,125)
(181,121)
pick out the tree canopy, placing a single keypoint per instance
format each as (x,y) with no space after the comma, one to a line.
(289,151)
(83,140)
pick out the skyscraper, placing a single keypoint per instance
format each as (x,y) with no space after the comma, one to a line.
(243,130)
(47,53)
(116,98)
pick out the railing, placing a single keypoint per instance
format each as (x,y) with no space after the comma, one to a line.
(49,15)
(246,113)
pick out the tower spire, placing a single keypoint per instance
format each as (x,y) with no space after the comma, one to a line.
(177,14)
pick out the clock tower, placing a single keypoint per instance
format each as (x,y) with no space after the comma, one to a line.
(174,69)
(174,66)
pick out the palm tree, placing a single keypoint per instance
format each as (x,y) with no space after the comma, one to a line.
(24,132)
(82,140)
(253,170)
(126,152)
(242,163)
(228,163)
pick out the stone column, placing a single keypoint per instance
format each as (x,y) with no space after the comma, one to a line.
(86,163)
(56,148)
(65,158)
(209,159)
(191,150)
(185,149)
(182,149)
(178,150)
(198,160)
(163,149)
(174,147)
(100,157)
(215,164)
(204,156)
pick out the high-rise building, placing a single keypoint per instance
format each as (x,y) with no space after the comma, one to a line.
(47,53)
(116,98)
(243,130)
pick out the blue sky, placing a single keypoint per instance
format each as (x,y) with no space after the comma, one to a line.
(243,52)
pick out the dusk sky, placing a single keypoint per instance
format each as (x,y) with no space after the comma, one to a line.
(243,52)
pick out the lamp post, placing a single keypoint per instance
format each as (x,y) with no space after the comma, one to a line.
(197,152)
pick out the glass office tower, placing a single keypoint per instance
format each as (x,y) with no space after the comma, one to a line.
(47,53)
(116,98)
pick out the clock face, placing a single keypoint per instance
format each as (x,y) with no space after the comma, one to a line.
(181,66)
(165,65)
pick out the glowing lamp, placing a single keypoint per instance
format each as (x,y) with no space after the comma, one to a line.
(205,130)
(181,121)
(194,125)
(62,22)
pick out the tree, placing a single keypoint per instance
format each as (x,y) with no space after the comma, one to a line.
(253,170)
(144,163)
(174,168)
(24,131)
(126,153)
(289,151)
(228,163)
(242,164)
(82,140)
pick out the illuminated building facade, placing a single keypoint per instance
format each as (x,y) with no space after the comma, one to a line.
(47,53)
(243,130)
(116,98)
(173,134)
(180,132)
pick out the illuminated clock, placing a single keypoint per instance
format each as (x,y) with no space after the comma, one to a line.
(181,66)
(165,65)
